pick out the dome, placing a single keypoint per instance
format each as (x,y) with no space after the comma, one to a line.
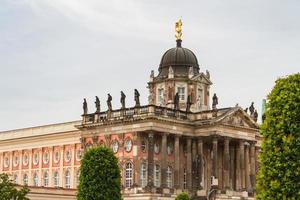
(181,59)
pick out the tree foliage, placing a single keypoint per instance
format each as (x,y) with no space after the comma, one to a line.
(8,190)
(100,176)
(183,196)
(279,175)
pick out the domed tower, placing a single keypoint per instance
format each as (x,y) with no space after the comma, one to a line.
(179,72)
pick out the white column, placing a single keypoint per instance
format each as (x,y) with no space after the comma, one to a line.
(1,162)
(73,149)
(40,164)
(61,169)
(50,166)
(29,167)
(20,164)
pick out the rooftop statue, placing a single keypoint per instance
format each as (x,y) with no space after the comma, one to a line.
(188,103)
(109,99)
(137,98)
(255,115)
(123,96)
(97,103)
(178,29)
(85,108)
(251,109)
(176,101)
(215,101)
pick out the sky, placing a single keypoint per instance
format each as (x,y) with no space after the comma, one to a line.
(54,53)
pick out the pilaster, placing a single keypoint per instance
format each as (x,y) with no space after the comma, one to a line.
(164,157)
(189,164)
(226,163)
(177,163)
(150,160)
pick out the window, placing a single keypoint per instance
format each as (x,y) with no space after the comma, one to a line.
(184,178)
(25,159)
(35,179)
(143,146)
(169,177)
(115,146)
(78,177)
(35,158)
(78,154)
(128,145)
(16,162)
(56,179)
(128,175)
(181,93)
(46,179)
(16,180)
(6,162)
(68,179)
(25,179)
(156,148)
(68,155)
(56,156)
(156,175)
(200,95)
(143,175)
(160,95)
(46,158)
(170,148)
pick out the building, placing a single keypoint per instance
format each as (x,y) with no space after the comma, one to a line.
(178,142)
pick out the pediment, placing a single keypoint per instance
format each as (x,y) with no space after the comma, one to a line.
(237,117)
(201,78)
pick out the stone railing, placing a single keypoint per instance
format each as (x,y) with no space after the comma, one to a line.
(134,113)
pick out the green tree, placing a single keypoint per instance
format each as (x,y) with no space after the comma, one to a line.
(183,196)
(8,190)
(279,175)
(100,176)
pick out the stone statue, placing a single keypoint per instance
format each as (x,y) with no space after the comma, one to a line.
(123,96)
(137,98)
(188,103)
(97,103)
(215,101)
(85,108)
(109,99)
(207,74)
(176,101)
(255,115)
(246,110)
(251,109)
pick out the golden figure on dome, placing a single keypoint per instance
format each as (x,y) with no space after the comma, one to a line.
(178,29)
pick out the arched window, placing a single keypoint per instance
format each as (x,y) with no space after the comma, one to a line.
(78,177)
(25,179)
(68,179)
(143,175)
(35,179)
(46,179)
(128,175)
(56,179)
(169,177)
(156,175)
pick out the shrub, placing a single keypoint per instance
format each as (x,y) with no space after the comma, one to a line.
(183,196)
(99,175)
(279,175)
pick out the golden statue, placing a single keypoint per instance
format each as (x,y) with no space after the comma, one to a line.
(178,29)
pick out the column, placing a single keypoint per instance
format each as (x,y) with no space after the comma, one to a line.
(177,161)
(226,163)
(150,160)
(231,168)
(238,168)
(50,167)
(215,157)
(136,161)
(1,162)
(61,166)
(247,167)
(73,149)
(242,164)
(189,164)
(201,164)
(252,165)
(164,160)
(195,178)
(21,164)
(41,161)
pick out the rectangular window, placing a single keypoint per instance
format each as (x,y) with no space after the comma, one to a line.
(156,176)
(181,93)
(184,178)
(160,95)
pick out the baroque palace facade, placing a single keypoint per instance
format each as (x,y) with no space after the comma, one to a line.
(178,142)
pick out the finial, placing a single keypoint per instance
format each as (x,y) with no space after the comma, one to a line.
(178,30)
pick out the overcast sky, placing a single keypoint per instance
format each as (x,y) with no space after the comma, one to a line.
(53,53)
